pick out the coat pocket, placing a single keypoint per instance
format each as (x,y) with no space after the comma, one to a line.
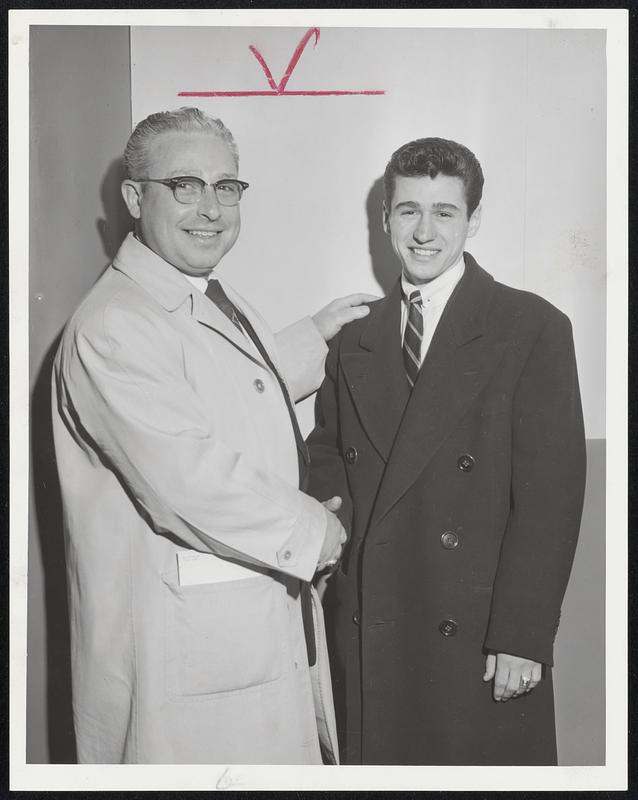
(222,637)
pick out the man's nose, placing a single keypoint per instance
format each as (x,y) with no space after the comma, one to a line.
(209,205)
(424,231)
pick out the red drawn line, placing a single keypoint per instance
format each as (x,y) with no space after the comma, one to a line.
(279,90)
(307,93)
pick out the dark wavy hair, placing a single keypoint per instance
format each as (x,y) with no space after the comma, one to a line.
(429,157)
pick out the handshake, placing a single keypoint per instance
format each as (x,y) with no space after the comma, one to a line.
(335,538)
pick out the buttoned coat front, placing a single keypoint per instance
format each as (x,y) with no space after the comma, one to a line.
(187,535)
(463,500)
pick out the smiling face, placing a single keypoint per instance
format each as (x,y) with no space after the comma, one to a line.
(428,224)
(193,238)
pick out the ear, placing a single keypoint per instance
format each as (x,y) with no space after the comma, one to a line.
(475,221)
(132,194)
(386,218)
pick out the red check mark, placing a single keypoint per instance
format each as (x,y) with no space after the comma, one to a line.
(279,88)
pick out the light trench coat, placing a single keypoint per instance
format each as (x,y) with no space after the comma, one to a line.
(186,534)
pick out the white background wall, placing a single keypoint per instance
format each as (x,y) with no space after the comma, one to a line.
(529,103)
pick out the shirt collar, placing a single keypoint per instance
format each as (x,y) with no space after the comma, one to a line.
(198,282)
(437,291)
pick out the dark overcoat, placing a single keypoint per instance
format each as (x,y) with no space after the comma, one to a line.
(463,501)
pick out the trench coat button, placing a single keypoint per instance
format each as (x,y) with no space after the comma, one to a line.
(351,455)
(448,627)
(259,385)
(449,540)
(465,463)
(355,617)
(287,555)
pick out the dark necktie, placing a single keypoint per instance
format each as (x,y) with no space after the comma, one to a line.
(413,336)
(216,293)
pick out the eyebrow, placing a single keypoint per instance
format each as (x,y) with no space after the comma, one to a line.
(224,176)
(445,206)
(435,206)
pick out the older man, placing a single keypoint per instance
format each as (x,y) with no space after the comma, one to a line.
(450,423)
(190,545)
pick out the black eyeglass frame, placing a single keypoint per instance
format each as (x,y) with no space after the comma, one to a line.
(172,184)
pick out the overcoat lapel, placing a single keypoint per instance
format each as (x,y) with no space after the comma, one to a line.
(375,375)
(459,362)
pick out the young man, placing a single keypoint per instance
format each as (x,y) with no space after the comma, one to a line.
(450,423)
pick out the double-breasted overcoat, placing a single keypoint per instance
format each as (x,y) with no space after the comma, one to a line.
(463,501)
(187,535)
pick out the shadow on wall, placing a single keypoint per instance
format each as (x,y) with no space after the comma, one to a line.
(384,262)
(112,229)
(116,222)
(48,510)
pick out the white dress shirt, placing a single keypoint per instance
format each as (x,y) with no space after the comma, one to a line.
(198,283)
(434,295)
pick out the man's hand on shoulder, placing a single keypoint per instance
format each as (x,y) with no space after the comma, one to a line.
(335,536)
(512,675)
(335,315)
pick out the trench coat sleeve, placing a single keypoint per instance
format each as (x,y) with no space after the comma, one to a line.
(133,400)
(547,488)
(327,470)
(302,352)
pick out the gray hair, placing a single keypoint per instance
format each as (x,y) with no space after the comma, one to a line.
(183,119)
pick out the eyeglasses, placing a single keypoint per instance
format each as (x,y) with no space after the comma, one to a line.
(188,189)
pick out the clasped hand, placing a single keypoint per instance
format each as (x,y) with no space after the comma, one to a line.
(335,536)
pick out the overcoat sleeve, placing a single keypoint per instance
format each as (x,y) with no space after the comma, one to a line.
(547,489)
(143,418)
(327,470)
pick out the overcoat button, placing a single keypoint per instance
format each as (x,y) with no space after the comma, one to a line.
(449,540)
(351,455)
(465,463)
(259,385)
(287,555)
(448,627)
(355,617)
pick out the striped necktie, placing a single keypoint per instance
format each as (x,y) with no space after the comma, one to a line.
(413,336)
(216,293)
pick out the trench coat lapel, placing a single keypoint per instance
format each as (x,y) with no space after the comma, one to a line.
(207,313)
(172,291)
(459,362)
(375,376)
(260,327)
(268,341)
